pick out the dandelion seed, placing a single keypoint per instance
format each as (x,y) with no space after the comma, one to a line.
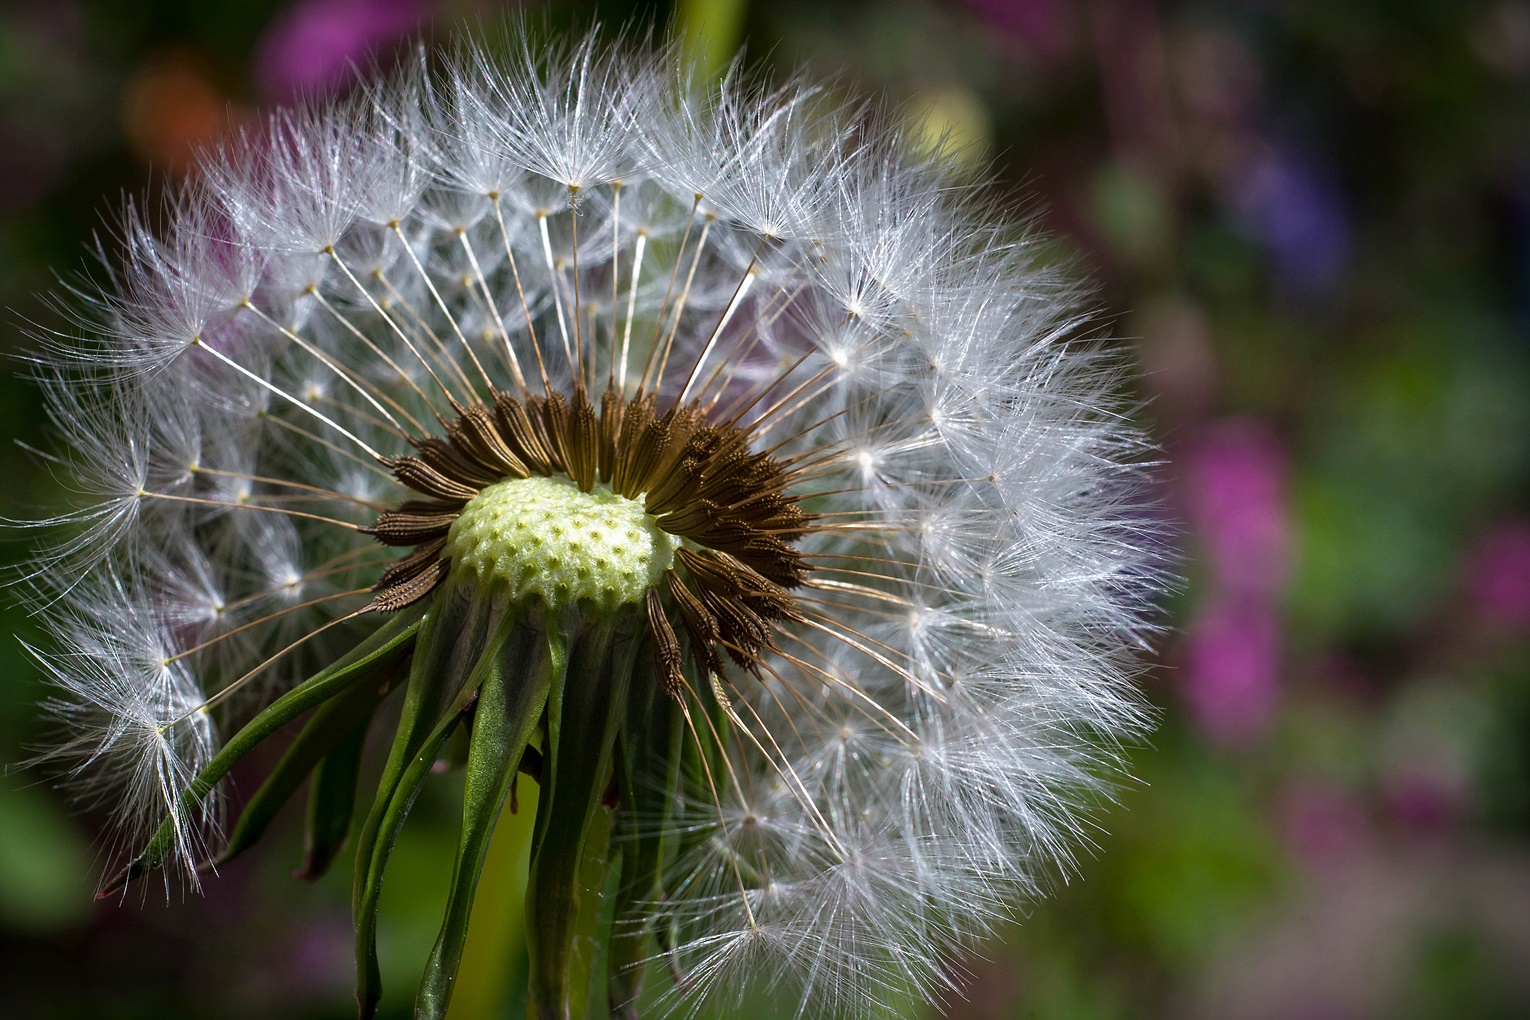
(702,450)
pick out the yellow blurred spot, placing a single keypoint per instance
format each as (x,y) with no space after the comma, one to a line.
(952,120)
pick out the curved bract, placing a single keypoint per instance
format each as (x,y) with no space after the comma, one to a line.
(707,456)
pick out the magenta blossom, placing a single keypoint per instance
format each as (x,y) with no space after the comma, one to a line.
(1323,825)
(1498,576)
(313,48)
(1235,496)
(1232,670)
(1236,481)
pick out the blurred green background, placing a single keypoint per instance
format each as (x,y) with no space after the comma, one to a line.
(1310,221)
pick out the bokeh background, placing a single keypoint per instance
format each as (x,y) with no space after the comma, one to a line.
(1310,224)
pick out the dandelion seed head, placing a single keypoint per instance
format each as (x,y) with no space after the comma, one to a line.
(719,390)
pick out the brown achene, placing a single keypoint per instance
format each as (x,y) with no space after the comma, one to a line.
(700,481)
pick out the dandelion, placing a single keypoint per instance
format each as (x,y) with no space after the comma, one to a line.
(706,455)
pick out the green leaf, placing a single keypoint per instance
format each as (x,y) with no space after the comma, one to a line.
(44,861)
(711,30)
(332,802)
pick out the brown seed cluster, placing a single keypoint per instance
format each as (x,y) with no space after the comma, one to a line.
(700,481)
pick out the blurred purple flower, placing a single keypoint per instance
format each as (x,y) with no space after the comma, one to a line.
(1498,576)
(1323,825)
(1236,501)
(1428,802)
(1297,213)
(1232,670)
(1234,478)
(311,49)
(1045,27)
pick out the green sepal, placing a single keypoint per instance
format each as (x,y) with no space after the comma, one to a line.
(510,706)
(566,886)
(455,646)
(702,764)
(332,802)
(389,822)
(435,678)
(712,700)
(331,723)
(381,649)
(454,754)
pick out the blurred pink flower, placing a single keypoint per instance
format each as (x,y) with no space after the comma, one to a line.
(311,49)
(1323,825)
(1498,575)
(1427,802)
(1236,502)
(1232,670)
(1234,482)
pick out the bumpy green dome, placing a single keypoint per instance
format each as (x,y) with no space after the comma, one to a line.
(546,540)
